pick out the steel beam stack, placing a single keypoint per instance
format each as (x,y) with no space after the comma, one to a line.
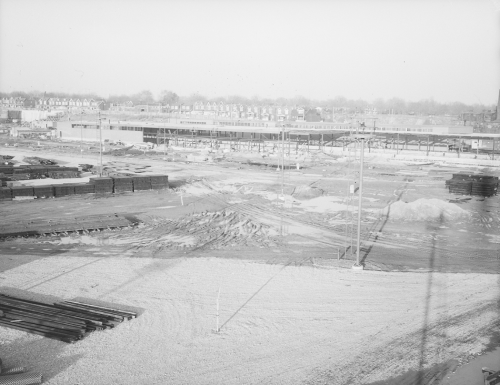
(103,185)
(478,185)
(45,191)
(84,188)
(123,184)
(159,182)
(5,193)
(61,190)
(141,182)
(22,191)
(66,321)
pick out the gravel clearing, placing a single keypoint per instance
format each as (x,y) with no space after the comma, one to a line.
(279,324)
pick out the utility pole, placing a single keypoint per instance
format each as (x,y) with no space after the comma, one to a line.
(358,265)
(100,145)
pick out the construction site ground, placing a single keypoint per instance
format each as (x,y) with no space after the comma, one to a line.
(291,308)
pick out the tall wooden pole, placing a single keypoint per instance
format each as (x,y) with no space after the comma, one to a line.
(360,196)
(100,144)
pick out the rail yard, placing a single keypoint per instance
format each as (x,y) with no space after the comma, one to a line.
(242,270)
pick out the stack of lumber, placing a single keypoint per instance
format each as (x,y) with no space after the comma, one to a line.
(141,182)
(102,185)
(22,191)
(7,170)
(61,190)
(123,184)
(38,172)
(18,376)
(479,185)
(34,160)
(484,185)
(63,174)
(84,188)
(5,193)
(20,174)
(45,191)
(159,182)
(64,225)
(85,167)
(67,321)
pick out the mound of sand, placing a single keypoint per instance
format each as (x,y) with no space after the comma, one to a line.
(423,210)
(306,192)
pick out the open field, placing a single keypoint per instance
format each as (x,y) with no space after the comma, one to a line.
(292,311)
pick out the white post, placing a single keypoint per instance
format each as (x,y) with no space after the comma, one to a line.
(217,326)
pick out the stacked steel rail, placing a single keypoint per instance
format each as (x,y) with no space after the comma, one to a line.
(123,184)
(67,321)
(25,172)
(40,227)
(478,185)
(159,182)
(101,185)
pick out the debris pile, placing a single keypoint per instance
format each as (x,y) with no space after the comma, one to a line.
(423,210)
(479,185)
(213,230)
(307,192)
(67,321)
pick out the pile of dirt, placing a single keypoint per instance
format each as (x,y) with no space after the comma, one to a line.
(306,192)
(424,210)
(214,230)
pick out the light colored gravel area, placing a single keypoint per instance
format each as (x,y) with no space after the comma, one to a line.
(280,324)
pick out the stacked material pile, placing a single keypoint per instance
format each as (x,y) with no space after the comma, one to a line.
(45,191)
(22,191)
(84,188)
(25,172)
(85,167)
(123,184)
(480,185)
(102,185)
(21,173)
(3,179)
(5,193)
(159,182)
(38,172)
(484,185)
(34,160)
(36,227)
(64,172)
(18,376)
(141,182)
(61,190)
(67,321)
(7,170)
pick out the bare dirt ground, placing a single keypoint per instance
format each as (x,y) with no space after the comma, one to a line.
(291,308)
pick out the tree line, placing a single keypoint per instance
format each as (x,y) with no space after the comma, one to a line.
(393,105)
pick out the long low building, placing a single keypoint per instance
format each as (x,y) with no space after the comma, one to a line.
(236,130)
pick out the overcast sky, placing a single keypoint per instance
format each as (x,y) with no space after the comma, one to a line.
(448,50)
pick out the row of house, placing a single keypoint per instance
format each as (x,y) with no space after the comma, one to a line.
(48,103)
(233,111)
